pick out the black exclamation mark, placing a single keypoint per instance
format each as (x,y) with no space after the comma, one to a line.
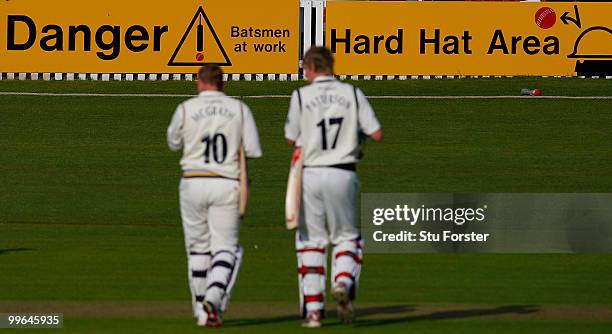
(200,35)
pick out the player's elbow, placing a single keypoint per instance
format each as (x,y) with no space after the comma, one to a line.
(175,146)
(377,135)
(291,142)
(254,154)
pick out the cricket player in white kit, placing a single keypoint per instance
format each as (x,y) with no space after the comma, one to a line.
(327,119)
(210,128)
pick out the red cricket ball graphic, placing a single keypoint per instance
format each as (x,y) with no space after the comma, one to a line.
(545,17)
(199,56)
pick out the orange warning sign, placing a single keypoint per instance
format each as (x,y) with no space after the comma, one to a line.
(140,37)
(470,38)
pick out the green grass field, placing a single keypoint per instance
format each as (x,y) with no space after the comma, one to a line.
(89,222)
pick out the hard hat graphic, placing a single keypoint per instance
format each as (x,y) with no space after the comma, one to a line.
(594,42)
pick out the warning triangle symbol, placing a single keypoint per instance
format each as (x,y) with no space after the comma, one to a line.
(199,45)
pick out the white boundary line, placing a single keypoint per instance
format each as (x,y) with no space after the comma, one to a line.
(91,94)
(391,97)
(487,97)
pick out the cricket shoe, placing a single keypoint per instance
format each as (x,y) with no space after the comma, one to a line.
(313,320)
(341,294)
(213,315)
(202,319)
(201,315)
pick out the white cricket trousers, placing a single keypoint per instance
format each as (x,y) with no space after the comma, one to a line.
(328,205)
(328,214)
(209,210)
(211,222)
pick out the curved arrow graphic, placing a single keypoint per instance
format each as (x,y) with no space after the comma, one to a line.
(565,18)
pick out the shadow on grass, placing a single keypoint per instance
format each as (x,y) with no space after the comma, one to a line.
(391,313)
(4,251)
(451,314)
(260,321)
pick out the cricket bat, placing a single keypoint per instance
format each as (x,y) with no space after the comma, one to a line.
(244,182)
(294,190)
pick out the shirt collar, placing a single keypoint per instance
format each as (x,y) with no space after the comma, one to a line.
(211,93)
(324,78)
